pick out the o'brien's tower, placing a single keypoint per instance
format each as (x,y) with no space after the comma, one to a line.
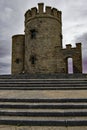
(42,36)
(40,49)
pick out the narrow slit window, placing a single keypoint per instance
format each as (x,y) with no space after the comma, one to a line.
(33,60)
(33,33)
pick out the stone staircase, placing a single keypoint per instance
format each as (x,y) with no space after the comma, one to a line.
(42,110)
(25,83)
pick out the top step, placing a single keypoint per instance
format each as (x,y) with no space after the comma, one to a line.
(45,76)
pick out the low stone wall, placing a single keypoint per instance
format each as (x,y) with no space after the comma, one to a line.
(44,76)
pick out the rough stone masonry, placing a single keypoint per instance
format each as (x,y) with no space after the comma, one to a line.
(40,49)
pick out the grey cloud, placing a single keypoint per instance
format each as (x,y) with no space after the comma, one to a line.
(5,48)
(4,65)
(5,68)
(83,39)
(74,11)
(5,56)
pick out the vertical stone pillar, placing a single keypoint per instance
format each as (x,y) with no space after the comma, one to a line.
(78,59)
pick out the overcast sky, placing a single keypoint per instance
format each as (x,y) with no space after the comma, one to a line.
(74,19)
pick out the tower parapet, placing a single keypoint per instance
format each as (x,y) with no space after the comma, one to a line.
(33,11)
(49,11)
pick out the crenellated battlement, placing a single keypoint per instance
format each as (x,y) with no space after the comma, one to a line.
(49,11)
(78,46)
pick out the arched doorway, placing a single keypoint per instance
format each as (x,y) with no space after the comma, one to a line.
(70,65)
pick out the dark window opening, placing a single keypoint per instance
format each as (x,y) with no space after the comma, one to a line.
(33,60)
(40,21)
(17,61)
(33,33)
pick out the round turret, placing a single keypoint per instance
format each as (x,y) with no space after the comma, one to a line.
(43,34)
(18,42)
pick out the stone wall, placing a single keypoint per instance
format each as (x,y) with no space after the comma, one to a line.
(76,55)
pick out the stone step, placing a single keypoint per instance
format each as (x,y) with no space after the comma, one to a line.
(41,118)
(23,103)
(42,84)
(36,79)
(41,110)
(43,88)
(45,114)
(39,100)
(46,106)
(44,76)
(44,122)
(42,103)
(45,81)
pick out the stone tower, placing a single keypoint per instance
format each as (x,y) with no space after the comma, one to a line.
(40,49)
